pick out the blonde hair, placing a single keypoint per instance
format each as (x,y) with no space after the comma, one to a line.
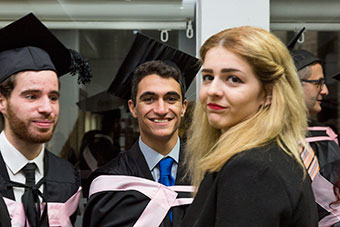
(283,121)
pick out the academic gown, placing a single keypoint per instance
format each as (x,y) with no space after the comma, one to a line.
(123,208)
(62,181)
(261,187)
(328,154)
(4,216)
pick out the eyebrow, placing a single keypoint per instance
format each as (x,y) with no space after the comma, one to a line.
(170,93)
(54,92)
(149,93)
(224,70)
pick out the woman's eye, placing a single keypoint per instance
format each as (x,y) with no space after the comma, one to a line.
(207,77)
(234,79)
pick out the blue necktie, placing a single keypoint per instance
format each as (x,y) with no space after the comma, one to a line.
(165,175)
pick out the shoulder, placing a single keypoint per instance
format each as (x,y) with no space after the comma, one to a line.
(54,160)
(267,156)
(314,123)
(124,164)
(60,169)
(267,163)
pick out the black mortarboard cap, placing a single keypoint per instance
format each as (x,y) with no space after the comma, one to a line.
(146,49)
(336,76)
(302,58)
(26,44)
(100,103)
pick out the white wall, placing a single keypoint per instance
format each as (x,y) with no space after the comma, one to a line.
(216,15)
(213,16)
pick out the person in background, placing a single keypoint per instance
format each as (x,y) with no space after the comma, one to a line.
(99,147)
(243,147)
(38,188)
(321,138)
(131,190)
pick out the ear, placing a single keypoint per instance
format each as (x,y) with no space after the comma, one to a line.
(3,105)
(132,108)
(268,100)
(184,107)
(267,95)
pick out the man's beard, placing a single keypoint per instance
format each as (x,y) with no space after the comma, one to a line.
(20,128)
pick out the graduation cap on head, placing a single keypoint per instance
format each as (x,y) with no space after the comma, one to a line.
(146,49)
(26,44)
(302,58)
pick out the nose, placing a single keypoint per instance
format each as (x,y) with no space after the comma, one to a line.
(45,106)
(324,90)
(214,88)
(161,107)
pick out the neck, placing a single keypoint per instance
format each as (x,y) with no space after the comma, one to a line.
(29,150)
(161,145)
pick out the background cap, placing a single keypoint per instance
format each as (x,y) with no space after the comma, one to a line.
(146,49)
(302,58)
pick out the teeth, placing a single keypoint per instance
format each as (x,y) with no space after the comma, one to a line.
(160,121)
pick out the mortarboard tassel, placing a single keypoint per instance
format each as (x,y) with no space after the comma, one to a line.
(81,67)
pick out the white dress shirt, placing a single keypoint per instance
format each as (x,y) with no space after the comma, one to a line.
(152,158)
(15,161)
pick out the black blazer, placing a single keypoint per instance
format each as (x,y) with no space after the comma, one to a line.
(262,187)
(112,208)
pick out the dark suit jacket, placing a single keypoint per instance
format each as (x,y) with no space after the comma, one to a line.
(122,209)
(262,187)
(62,181)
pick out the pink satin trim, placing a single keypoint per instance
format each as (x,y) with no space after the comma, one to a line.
(333,136)
(162,198)
(58,213)
(324,196)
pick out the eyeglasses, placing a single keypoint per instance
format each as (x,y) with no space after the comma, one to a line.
(318,83)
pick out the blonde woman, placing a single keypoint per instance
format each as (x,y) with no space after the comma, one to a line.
(243,146)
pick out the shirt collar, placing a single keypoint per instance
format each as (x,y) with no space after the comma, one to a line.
(152,157)
(14,159)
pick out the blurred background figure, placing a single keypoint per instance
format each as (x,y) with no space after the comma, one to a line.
(99,146)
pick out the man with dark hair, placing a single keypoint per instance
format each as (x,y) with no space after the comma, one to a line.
(132,189)
(38,188)
(326,162)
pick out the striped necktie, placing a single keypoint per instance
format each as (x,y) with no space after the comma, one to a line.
(310,161)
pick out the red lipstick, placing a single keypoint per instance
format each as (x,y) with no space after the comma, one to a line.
(215,106)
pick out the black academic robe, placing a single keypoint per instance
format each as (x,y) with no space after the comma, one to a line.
(62,181)
(261,187)
(328,154)
(123,208)
(4,216)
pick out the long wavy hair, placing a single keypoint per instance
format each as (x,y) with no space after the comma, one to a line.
(283,121)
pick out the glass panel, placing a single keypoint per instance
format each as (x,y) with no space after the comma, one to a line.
(105,50)
(325,45)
